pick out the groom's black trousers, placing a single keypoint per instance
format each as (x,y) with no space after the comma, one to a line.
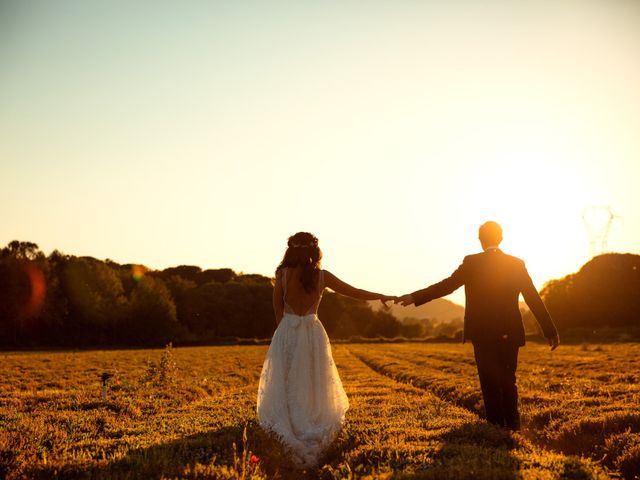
(497,363)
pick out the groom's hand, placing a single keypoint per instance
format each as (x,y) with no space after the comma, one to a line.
(405,300)
(554,342)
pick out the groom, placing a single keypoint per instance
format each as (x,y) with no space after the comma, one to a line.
(493,282)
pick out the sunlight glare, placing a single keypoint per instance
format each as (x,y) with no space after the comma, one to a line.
(539,202)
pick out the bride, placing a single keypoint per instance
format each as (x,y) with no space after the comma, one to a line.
(300,397)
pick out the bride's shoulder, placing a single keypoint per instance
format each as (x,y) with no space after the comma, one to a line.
(327,276)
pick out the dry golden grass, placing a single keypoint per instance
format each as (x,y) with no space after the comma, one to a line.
(182,413)
(579,400)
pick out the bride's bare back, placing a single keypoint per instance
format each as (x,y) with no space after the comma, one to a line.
(296,299)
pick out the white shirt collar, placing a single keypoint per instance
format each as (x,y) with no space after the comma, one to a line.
(492,247)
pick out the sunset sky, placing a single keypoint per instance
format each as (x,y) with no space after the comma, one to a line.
(205,133)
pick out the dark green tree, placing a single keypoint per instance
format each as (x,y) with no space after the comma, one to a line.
(152,317)
(604,293)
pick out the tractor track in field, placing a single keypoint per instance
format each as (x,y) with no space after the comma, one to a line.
(420,384)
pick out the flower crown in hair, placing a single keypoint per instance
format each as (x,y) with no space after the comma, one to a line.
(302,245)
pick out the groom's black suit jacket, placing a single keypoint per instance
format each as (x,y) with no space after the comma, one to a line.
(493,282)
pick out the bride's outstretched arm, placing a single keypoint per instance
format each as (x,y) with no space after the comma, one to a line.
(278,298)
(343,288)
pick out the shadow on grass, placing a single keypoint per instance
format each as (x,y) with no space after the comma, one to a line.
(475,450)
(203,455)
(472,450)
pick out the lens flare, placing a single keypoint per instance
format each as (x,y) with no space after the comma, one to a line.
(137,272)
(38,290)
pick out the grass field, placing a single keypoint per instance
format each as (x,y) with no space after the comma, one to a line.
(190,413)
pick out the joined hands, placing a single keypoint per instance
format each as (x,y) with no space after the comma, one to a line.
(404,300)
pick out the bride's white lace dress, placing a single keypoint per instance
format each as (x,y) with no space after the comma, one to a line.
(300,398)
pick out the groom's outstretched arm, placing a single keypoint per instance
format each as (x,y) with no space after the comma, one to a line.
(539,310)
(440,289)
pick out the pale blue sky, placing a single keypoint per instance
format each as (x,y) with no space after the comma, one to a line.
(205,133)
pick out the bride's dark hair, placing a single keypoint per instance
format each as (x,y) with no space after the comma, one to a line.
(303,251)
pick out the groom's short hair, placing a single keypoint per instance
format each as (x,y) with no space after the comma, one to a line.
(490,233)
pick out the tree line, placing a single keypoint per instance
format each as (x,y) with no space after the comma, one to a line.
(65,300)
